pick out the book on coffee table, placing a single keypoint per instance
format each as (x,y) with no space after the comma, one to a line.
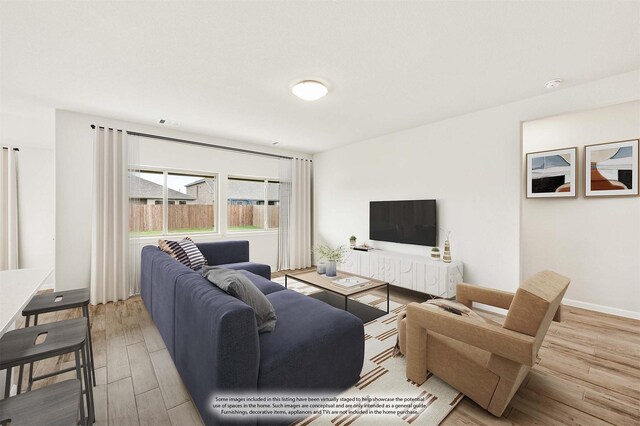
(350,282)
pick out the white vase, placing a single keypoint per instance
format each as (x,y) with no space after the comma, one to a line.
(330,270)
(322,268)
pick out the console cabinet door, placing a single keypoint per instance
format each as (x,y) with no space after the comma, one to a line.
(369,265)
(352,262)
(428,279)
(454,276)
(391,266)
(406,274)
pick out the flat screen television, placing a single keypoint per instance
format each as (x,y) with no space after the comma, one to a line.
(408,222)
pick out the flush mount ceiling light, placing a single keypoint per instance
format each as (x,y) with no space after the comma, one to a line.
(552,84)
(309,90)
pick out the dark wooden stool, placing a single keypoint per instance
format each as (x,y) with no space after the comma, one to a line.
(19,347)
(54,405)
(59,301)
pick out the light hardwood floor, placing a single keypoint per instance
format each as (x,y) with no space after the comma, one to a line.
(588,373)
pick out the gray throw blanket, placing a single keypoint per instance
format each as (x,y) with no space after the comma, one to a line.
(239,286)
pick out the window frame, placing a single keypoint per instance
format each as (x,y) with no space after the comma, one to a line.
(265,199)
(165,199)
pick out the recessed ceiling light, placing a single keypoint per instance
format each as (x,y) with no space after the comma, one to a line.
(275,143)
(309,90)
(552,84)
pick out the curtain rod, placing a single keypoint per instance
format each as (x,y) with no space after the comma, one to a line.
(15,149)
(207,145)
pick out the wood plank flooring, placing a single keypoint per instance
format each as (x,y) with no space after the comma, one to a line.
(138,383)
(588,373)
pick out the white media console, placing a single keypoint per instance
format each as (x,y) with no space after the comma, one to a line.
(419,273)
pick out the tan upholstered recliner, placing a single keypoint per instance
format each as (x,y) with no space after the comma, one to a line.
(482,359)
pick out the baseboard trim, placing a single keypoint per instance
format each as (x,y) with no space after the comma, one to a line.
(601,308)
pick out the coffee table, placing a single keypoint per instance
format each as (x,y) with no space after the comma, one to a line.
(333,294)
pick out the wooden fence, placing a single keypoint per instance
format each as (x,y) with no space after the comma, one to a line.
(243,215)
(148,217)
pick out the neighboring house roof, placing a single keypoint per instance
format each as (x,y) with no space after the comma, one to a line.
(145,189)
(246,190)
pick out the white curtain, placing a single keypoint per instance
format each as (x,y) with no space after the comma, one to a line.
(135,225)
(110,217)
(9,209)
(294,249)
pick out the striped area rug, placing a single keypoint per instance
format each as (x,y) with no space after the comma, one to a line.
(384,375)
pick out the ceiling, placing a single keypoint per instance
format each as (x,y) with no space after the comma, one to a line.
(224,68)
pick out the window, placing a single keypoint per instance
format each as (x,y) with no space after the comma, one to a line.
(163,202)
(145,203)
(252,204)
(273,202)
(192,207)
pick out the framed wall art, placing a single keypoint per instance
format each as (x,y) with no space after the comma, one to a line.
(611,169)
(552,174)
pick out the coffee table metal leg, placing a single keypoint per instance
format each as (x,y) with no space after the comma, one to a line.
(387,297)
(345,303)
(285,281)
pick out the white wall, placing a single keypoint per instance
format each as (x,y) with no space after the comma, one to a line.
(74,153)
(470,164)
(30,126)
(595,241)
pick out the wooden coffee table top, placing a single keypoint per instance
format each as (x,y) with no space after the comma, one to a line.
(322,281)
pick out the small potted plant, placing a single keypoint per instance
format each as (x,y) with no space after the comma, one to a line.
(352,241)
(332,256)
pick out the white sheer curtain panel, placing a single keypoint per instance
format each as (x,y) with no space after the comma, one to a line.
(284,211)
(110,217)
(135,225)
(295,219)
(9,209)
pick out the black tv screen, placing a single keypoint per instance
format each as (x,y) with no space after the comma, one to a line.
(408,222)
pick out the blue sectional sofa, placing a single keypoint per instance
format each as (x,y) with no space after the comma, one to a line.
(213,338)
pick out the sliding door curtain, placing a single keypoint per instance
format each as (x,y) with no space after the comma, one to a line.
(294,251)
(9,209)
(110,217)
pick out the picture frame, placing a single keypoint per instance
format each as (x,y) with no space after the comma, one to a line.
(552,173)
(611,169)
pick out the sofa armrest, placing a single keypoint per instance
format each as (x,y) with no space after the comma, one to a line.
(492,338)
(224,252)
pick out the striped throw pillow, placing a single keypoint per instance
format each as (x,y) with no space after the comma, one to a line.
(196,259)
(175,250)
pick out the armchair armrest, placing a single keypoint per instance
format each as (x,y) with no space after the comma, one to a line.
(467,293)
(492,338)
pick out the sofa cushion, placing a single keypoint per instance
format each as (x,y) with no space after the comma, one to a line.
(241,287)
(223,252)
(315,346)
(264,285)
(257,268)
